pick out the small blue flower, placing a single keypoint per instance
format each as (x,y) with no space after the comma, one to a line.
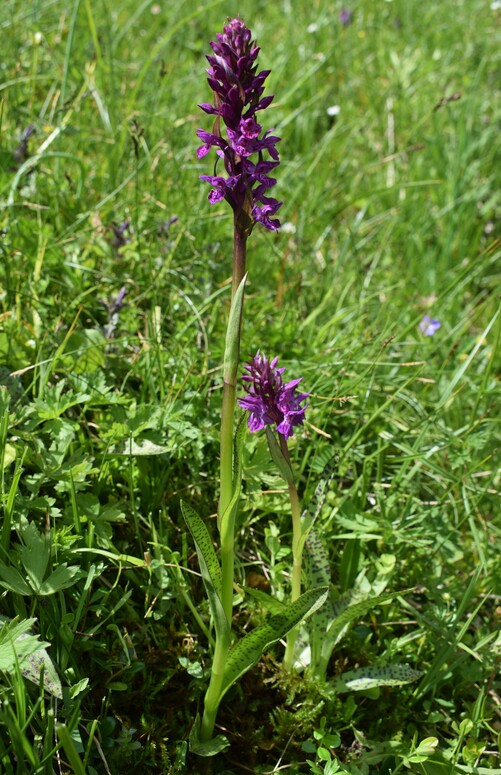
(428,326)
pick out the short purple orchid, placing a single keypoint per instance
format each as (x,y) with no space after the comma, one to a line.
(268,399)
(237,99)
(429,326)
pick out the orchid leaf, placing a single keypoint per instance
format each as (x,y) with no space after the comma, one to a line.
(311,513)
(19,647)
(208,748)
(232,344)
(268,602)
(237,473)
(247,651)
(210,569)
(371,677)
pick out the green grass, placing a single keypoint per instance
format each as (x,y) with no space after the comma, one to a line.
(392,210)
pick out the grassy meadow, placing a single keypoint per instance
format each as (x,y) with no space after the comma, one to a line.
(115,279)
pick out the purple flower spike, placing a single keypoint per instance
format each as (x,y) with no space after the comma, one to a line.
(428,326)
(268,399)
(237,99)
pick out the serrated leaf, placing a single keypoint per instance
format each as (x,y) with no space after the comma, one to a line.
(365,678)
(209,748)
(247,651)
(209,568)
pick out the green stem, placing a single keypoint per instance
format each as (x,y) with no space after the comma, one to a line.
(297,555)
(213,694)
(226,525)
(227,425)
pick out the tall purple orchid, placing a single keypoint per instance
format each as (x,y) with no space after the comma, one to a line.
(237,99)
(248,155)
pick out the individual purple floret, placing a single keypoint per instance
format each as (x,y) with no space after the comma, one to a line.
(237,99)
(345,16)
(268,400)
(428,326)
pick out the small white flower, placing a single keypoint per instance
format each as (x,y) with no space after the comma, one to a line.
(312,27)
(334,110)
(288,228)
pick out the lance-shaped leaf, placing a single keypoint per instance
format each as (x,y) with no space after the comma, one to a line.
(208,748)
(310,514)
(247,651)
(318,572)
(371,677)
(19,647)
(210,569)
(268,602)
(347,609)
(347,612)
(238,452)
(232,345)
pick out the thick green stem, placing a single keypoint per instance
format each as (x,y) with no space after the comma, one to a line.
(213,694)
(297,556)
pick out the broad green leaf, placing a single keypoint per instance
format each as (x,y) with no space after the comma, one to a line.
(32,666)
(19,647)
(11,579)
(351,613)
(61,578)
(210,569)
(209,748)
(9,455)
(14,648)
(268,602)
(35,555)
(343,612)
(84,351)
(247,651)
(370,677)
